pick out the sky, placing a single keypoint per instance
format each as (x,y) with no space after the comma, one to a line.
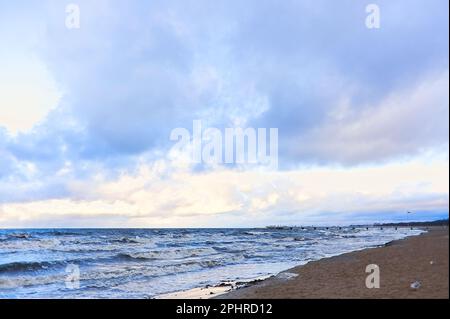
(86,113)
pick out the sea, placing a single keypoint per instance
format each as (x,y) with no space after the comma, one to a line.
(147,263)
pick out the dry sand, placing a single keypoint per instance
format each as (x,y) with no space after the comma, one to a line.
(421,258)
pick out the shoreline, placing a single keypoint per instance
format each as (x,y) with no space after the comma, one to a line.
(239,290)
(423,258)
(210,291)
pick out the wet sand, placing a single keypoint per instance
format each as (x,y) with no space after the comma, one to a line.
(422,258)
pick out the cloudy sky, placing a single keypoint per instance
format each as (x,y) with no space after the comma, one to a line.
(86,113)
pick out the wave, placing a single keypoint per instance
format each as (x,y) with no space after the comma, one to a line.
(167,254)
(38,244)
(24,281)
(131,256)
(26,266)
(227,249)
(251,233)
(61,233)
(301,239)
(19,235)
(208,263)
(126,240)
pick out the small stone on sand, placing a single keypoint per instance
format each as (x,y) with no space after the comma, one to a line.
(415,285)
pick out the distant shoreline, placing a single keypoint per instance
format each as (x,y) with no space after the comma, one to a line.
(442,222)
(422,258)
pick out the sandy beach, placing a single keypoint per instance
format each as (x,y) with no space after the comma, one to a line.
(422,258)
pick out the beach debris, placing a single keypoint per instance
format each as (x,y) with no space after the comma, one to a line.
(432,262)
(224,284)
(415,285)
(286,275)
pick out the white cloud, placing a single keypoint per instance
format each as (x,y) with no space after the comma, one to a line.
(27,93)
(156,197)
